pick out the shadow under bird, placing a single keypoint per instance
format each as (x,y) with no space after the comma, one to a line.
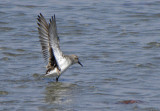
(57,61)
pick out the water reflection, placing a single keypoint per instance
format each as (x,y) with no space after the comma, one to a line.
(59,93)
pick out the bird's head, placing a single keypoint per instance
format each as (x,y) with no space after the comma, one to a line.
(75,59)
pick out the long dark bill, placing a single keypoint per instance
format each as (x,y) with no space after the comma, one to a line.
(80,63)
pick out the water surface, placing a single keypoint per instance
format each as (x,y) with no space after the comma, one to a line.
(118,43)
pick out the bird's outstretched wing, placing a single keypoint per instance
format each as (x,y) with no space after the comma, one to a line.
(54,40)
(45,40)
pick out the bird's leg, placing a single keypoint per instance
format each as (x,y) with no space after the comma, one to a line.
(57,79)
(59,72)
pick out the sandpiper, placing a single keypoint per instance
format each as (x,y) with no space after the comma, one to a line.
(56,61)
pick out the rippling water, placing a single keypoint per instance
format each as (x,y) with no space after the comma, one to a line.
(118,43)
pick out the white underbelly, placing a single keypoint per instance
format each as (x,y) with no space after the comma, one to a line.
(63,66)
(52,73)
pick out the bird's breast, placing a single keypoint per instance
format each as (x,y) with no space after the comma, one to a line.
(64,65)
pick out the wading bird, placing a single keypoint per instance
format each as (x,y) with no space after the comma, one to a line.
(57,61)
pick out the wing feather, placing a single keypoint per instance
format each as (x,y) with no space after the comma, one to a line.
(45,40)
(43,36)
(54,39)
